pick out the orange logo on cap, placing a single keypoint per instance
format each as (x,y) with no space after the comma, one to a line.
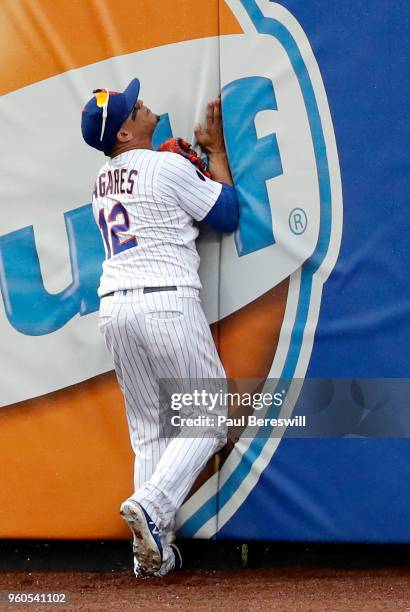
(101,97)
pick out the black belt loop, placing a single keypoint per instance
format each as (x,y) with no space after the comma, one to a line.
(155,289)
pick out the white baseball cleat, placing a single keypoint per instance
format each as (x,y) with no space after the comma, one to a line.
(147,545)
(172,561)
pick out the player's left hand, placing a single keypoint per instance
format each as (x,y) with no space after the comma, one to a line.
(210,136)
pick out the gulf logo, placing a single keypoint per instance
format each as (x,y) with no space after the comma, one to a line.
(264,283)
(283,154)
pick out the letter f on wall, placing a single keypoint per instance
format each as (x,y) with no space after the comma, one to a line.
(252,160)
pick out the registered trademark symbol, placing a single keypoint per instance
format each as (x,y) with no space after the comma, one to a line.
(298,221)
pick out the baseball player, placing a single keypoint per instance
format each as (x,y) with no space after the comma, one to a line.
(147,204)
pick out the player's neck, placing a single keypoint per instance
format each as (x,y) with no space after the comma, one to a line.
(122,147)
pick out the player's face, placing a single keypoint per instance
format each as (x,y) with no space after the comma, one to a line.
(143,118)
(138,128)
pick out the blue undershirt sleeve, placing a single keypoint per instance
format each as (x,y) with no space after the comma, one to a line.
(224,214)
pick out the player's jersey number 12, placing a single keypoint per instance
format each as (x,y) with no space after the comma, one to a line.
(110,228)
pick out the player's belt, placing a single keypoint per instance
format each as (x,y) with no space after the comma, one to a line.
(154,289)
(145,290)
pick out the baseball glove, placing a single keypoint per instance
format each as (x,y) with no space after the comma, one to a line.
(182,147)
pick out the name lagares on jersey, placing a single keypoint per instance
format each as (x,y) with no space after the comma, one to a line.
(112,182)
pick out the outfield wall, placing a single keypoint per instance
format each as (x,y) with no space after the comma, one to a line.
(311,286)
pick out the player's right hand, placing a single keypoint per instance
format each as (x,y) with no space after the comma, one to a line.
(210,136)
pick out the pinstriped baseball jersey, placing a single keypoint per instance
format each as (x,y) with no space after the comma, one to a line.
(146,204)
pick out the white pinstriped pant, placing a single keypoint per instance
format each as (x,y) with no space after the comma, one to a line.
(153,336)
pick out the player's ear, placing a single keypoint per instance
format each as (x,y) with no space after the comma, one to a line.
(124,135)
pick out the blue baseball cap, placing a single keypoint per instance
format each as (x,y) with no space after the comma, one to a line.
(105,113)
